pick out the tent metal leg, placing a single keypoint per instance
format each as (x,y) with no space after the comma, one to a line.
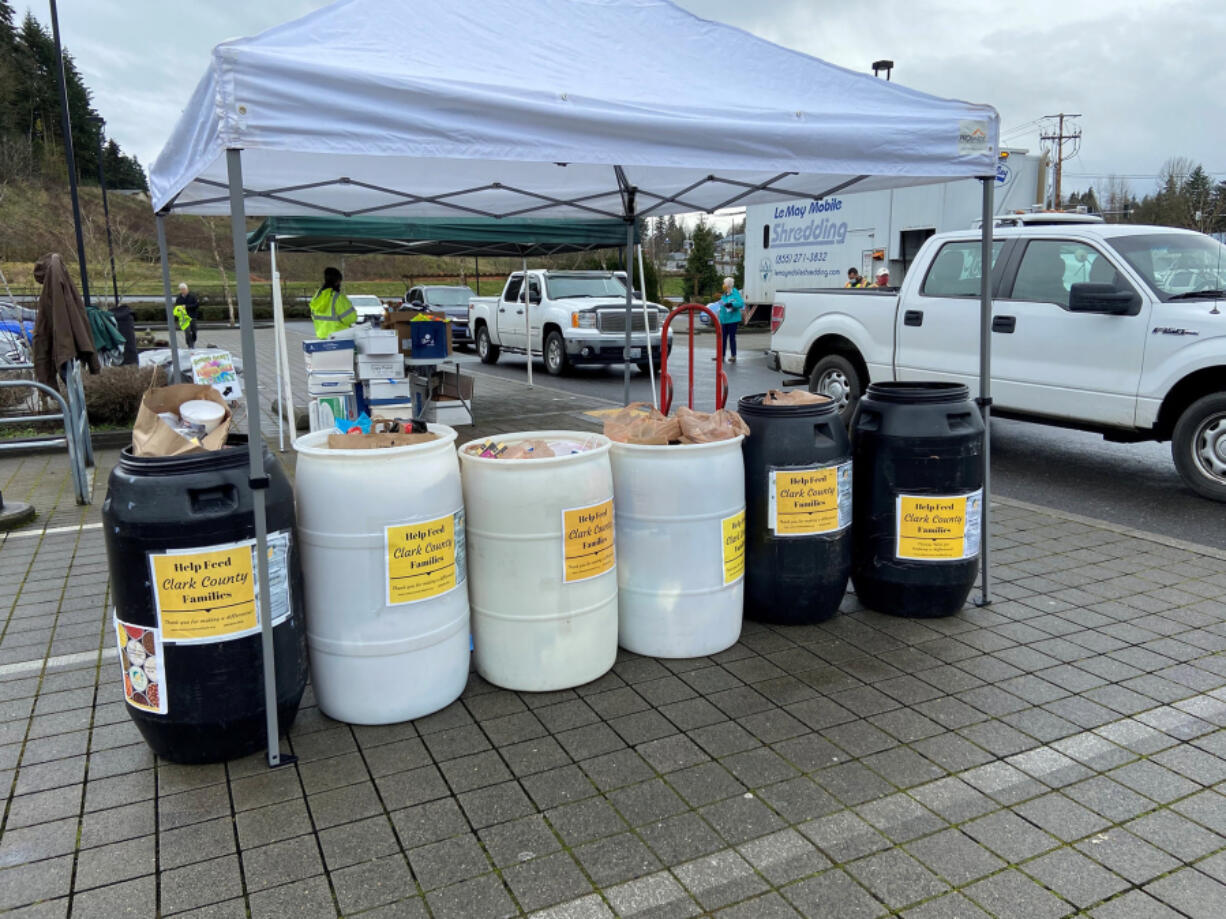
(629,309)
(985,386)
(651,367)
(173,376)
(278,305)
(255,449)
(525,291)
(285,396)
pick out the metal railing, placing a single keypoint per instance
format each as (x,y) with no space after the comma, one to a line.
(76,425)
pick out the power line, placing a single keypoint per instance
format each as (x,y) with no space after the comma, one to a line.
(1132,175)
(1058,139)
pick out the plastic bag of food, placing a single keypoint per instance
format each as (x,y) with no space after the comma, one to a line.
(705,428)
(639,423)
(793,397)
(528,449)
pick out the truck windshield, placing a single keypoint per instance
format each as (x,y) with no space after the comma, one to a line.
(561,286)
(1175,265)
(449,296)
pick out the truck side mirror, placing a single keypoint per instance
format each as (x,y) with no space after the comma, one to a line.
(1089,297)
(535,296)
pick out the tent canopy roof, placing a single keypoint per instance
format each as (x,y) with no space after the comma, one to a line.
(458,236)
(549,108)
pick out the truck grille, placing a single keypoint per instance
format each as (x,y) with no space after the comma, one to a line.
(615,320)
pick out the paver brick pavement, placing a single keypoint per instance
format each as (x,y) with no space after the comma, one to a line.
(1062,751)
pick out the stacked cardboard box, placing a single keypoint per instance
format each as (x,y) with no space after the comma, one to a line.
(330,380)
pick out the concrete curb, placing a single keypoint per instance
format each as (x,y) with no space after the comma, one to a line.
(1169,541)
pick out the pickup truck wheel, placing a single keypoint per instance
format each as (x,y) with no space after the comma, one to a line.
(835,376)
(555,354)
(486,349)
(1198,446)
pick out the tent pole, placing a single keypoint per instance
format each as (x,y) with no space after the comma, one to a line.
(477,272)
(173,376)
(651,367)
(279,307)
(985,383)
(284,387)
(629,304)
(525,290)
(276,349)
(255,447)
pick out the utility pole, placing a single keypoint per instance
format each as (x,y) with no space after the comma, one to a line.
(1058,157)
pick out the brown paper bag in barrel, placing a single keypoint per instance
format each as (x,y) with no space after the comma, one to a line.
(639,423)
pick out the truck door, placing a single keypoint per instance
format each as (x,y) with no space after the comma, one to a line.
(535,308)
(511,315)
(937,326)
(1049,361)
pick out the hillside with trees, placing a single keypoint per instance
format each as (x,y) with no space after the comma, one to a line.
(31,127)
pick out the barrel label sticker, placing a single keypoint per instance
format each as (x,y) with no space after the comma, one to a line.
(425,559)
(211,593)
(733,540)
(938,528)
(587,541)
(278,576)
(144,673)
(206,593)
(809,502)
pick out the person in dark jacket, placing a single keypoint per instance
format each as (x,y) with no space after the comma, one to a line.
(61,328)
(191,305)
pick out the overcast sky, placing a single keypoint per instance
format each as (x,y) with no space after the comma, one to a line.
(1147,76)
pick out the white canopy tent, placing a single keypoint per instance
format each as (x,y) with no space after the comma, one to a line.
(543,108)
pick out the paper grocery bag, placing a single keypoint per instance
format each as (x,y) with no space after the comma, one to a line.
(151,436)
(376,441)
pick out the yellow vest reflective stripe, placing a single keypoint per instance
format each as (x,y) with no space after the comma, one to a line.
(185,320)
(331,311)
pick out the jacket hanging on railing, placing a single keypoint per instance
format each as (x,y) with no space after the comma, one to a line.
(61,328)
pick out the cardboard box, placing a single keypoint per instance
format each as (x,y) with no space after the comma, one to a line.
(400,390)
(324,411)
(336,383)
(399,322)
(382,366)
(430,338)
(328,356)
(392,408)
(452,384)
(451,411)
(372,341)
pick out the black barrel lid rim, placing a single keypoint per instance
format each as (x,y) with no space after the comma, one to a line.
(916,392)
(753,405)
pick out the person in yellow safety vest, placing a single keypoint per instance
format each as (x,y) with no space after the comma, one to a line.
(331,309)
(184,320)
(854,279)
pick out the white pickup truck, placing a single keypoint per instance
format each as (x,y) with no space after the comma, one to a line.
(574,317)
(1115,329)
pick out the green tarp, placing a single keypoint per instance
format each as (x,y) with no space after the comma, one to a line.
(464,236)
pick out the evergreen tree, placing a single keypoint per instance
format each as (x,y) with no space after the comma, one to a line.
(701,278)
(31,124)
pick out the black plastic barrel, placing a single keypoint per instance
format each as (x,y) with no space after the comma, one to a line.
(182,581)
(798,511)
(918,463)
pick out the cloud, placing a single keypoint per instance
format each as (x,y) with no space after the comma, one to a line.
(1145,75)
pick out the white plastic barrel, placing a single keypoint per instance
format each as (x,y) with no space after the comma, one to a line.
(383,560)
(680,514)
(543,571)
